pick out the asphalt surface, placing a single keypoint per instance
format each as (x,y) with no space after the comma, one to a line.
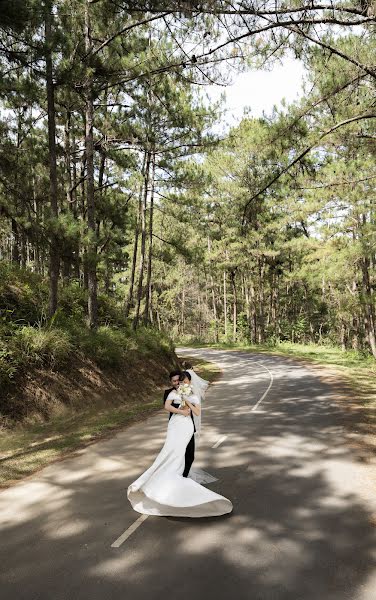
(302,528)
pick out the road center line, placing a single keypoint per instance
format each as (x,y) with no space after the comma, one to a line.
(267,391)
(129,531)
(219,442)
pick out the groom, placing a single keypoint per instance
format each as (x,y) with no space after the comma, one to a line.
(190,450)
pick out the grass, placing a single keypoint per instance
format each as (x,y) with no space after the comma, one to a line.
(27,448)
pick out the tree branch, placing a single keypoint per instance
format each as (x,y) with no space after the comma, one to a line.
(126,29)
(302,154)
(328,185)
(371,71)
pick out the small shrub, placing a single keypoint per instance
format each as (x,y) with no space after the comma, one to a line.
(106,346)
(110,312)
(22,294)
(8,366)
(44,346)
(72,302)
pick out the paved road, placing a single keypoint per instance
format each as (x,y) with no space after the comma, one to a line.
(303,525)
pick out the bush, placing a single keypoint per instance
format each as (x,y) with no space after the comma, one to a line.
(151,341)
(110,313)
(110,346)
(8,367)
(106,346)
(43,346)
(23,295)
(72,303)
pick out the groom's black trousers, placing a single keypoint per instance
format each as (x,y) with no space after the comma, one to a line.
(189,456)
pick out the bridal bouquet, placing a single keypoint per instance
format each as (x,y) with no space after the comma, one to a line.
(184,390)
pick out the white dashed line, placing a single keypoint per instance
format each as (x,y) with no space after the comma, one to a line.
(124,536)
(219,442)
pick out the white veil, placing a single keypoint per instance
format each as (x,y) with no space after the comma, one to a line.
(199,387)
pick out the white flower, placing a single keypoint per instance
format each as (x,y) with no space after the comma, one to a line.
(184,389)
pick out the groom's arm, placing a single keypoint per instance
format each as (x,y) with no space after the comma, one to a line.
(179,411)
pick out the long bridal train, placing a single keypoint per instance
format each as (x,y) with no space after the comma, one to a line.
(177,496)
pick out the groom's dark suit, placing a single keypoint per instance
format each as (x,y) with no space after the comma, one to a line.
(190,450)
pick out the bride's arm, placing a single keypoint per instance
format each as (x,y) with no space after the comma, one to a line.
(195,408)
(172,409)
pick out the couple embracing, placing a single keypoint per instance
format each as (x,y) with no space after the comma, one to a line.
(170,487)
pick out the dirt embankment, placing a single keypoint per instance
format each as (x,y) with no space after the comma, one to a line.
(43,393)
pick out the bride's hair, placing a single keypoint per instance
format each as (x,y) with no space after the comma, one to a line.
(184,375)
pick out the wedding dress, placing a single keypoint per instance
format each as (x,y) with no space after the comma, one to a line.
(162,490)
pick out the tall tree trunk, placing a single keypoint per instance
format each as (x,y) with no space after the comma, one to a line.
(143,243)
(235,304)
(214,302)
(85,276)
(129,302)
(149,136)
(369,307)
(354,322)
(102,166)
(247,308)
(75,209)
(182,317)
(23,249)
(67,248)
(90,199)
(343,336)
(277,309)
(199,309)
(215,311)
(37,257)
(16,257)
(108,273)
(254,313)
(271,312)
(261,330)
(225,302)
(51,119)
(150,250)
(159,321)
(17,233)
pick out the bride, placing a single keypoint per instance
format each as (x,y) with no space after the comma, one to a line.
(162,490)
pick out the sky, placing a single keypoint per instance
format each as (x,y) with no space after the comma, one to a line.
(260,90)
